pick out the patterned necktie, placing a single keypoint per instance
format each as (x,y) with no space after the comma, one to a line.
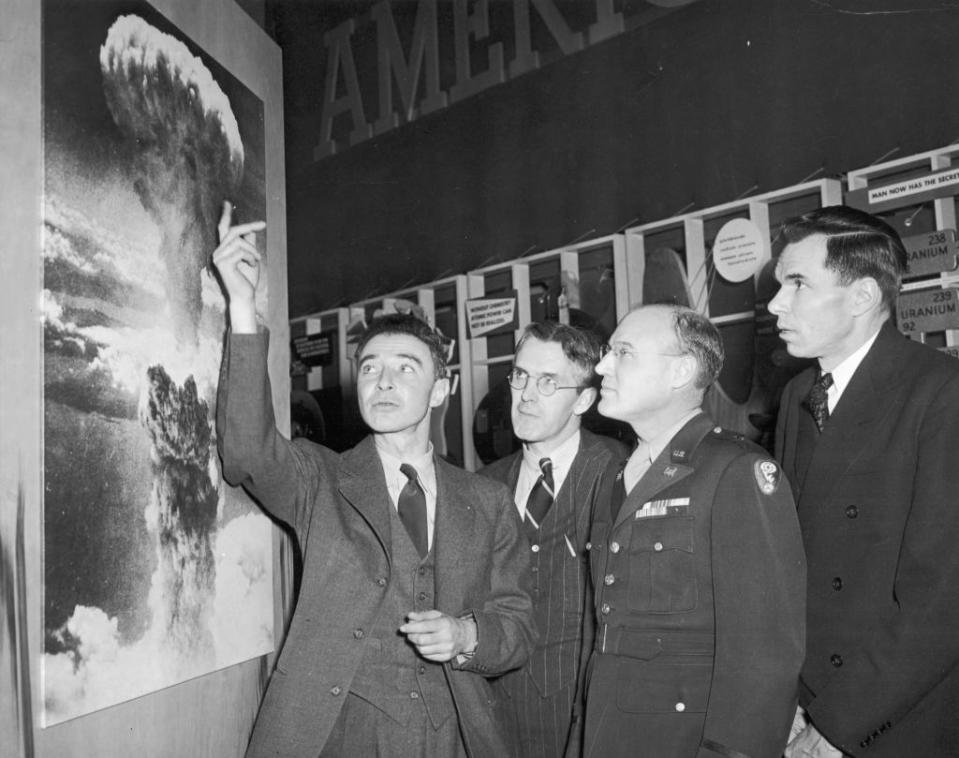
(817,400)
(411,505)
(541,496)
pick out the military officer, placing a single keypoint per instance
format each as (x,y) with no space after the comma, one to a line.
(698,564)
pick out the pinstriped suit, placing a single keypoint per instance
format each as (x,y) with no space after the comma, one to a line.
(546,693)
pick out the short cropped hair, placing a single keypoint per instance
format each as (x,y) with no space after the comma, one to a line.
(697,336)
(580,346)
(858,245)
(407,323)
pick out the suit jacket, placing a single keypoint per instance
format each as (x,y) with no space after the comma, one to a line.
(699,580)
(878,509)
(337,506)
(563,597)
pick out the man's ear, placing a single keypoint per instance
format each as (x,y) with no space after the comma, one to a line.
(440,391)
(685,371)
(866,295)
(586,398)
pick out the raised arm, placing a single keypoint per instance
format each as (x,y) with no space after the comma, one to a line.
(238,263)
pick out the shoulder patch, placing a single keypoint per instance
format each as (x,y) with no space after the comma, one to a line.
(768,476)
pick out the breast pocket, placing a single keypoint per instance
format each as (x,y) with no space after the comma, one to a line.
(662,565)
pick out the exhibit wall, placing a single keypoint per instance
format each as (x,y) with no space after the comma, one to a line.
(691,105)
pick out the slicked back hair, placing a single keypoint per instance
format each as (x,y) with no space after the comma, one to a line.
(697,336)
(858,245)
(580,346)
(407,323)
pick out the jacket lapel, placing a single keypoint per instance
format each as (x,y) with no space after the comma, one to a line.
(670,466)
(853,423)
(363,486)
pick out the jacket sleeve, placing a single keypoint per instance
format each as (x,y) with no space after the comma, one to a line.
(759,586)
(280,474)
(504,621)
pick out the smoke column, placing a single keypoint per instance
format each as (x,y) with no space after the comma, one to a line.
(186,152)
(184,505)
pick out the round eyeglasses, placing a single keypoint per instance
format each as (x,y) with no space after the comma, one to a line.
(546,385)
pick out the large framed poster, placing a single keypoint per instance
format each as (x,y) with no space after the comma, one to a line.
(133,565)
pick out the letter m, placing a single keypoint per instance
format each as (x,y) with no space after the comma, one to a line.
(393,63)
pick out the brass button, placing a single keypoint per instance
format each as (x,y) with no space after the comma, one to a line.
(680,707)
(614,547)
(609,579)
(414,695)
(358,633)
(535,548)
(658,546)
(604,609)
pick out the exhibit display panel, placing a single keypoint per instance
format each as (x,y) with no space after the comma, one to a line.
(917,195)
(719,261)
(141,595)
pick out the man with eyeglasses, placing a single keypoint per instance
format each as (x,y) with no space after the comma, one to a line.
(555,479)
(697,564)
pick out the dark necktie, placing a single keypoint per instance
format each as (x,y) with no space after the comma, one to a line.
(618,495)
(817,400)
(411,505)
(541,496)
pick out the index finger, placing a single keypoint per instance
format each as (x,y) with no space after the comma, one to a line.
(251,226)
(225,218)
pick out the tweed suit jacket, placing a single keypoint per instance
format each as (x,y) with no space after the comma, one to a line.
(879,510)
(337,506)
(560,655)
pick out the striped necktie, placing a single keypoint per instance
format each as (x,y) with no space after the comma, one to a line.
(541,497)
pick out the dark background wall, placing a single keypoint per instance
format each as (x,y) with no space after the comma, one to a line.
(695,106)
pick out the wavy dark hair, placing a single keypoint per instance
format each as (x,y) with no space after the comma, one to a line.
(407,323)
(858,245)
(580,346)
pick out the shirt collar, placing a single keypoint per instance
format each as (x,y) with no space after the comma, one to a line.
(661,440)
(842,374)
(424,465)
(561,458)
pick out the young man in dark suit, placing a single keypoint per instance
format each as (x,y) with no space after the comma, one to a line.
(869,436)
(414,571)
(555,479)
(699,571)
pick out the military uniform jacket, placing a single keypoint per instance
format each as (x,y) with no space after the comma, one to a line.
(878,499)
(700,584)
(562,596)
(337,506)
